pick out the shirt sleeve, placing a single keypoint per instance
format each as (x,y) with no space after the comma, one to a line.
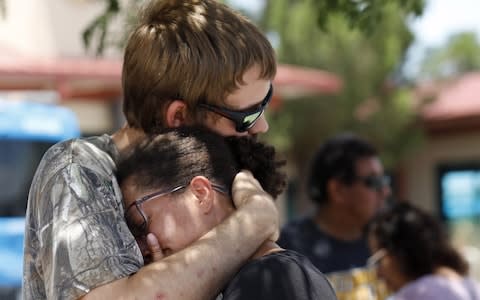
(83,240)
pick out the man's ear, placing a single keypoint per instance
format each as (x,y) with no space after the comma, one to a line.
(335,190)
(203,191)
(176,113)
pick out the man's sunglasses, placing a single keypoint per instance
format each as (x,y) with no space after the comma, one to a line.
(375,182)
(243,119)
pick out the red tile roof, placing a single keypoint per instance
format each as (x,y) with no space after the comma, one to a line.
(456,104)
(61,67)
(308,79)
(75,77)
(457,100)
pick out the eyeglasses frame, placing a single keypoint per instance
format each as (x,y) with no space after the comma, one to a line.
(139,202)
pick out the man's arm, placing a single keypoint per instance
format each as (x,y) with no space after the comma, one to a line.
(201,270)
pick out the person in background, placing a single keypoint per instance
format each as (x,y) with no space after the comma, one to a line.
(348,185)
(414,256)
(177,185)
(185,62)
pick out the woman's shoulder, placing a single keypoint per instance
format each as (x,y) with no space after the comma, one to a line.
(434,286)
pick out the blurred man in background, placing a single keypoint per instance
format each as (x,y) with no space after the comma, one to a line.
(348,185)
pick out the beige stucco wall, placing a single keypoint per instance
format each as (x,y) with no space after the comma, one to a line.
(94,117)
(422,189)
(421,169)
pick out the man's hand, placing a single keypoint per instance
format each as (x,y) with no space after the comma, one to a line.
(246,190)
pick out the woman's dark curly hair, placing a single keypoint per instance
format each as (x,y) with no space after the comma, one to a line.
(417,239)
(175,156)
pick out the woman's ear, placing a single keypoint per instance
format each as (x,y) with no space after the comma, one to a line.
(176,114)
(203,191)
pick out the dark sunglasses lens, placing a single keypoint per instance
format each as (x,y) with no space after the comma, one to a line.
(248,121)
(377,182)
(252,118)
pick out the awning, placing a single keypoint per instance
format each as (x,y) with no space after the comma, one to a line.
(455,105)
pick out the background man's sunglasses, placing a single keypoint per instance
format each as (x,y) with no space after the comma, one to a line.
(375,182)
(243,119)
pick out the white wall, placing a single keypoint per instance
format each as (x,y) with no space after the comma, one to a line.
(47,27)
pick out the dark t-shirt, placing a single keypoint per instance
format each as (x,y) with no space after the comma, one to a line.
(283,275)
(343,262)
(326,253)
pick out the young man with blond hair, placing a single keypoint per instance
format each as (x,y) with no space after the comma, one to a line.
(186,62)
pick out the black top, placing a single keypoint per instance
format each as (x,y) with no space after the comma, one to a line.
(326,252)
(283,275)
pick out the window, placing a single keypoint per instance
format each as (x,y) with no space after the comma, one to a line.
(459,191)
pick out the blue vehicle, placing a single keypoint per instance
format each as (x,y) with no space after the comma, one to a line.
(27,130)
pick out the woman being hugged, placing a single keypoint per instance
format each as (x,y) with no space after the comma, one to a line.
(179,184)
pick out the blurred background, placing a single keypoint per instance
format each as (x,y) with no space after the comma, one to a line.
(405,74)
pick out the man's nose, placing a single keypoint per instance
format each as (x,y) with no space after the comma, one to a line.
(261,126)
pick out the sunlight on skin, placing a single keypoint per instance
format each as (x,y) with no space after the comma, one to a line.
(245,189)
(245,186)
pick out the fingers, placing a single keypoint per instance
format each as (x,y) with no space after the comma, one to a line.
(154,248)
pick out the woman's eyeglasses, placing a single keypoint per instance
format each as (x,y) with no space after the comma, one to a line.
(136,218)
(243,119)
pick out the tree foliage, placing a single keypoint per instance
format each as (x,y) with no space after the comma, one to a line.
(459,55)
(363,14)
(3,8)
(368,60)
(98,35)
(360,14)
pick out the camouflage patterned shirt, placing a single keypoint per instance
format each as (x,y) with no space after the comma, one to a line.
(76,238)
